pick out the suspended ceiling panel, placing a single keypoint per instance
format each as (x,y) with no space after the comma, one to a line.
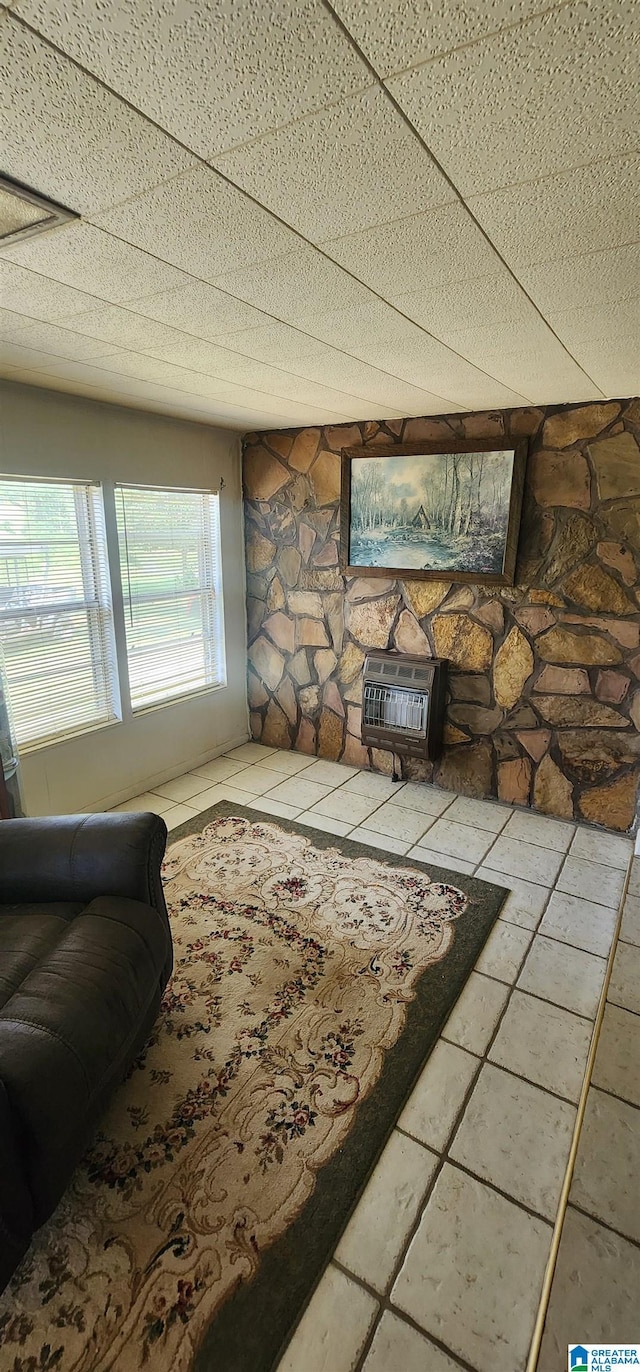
(303,213)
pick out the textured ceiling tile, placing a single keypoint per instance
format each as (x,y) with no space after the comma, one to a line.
(585,210)
(191,65)
(297,287)
(142,395)
(199,309)
(14,328)
(81,256)
(600,323)
(346,168)
(395,34)
(488,301)
(247,371)
(554,92)
(380,336)
(524,354)
(28,293)
(200,223)
(67,137)
(613,362)
(595,279)
(123,329)
(305,357)
(424,249)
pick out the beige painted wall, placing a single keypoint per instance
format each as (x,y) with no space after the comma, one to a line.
(50,434)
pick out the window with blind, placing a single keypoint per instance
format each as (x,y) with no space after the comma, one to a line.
(171,585)
(56,623)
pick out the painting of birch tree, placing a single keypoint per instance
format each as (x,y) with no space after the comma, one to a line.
(434,512)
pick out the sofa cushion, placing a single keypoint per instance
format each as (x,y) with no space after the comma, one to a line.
(27,935)
(67,1031)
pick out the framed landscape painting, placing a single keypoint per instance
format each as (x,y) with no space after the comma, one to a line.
(446,511)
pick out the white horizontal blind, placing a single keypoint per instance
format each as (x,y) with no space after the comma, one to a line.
(55,608)
(171,585)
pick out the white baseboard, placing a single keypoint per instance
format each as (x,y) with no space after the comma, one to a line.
(157,778)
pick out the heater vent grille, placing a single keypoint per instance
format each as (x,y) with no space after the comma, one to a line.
(395,707)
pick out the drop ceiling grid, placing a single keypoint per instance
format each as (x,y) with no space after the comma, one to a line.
(346,86)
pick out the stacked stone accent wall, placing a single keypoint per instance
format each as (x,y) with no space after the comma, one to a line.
(544,706)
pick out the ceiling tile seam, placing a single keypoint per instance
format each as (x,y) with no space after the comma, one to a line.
(630,156)
(488,195)
(125,307)
(308,242)
(473,42)
(5,375)
(232,352)
(195,371)
(328,6)
(334,415)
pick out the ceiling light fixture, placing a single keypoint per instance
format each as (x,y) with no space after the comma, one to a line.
(23,212)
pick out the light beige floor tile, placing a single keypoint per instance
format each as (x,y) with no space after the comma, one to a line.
(399,822)
(158,805)
(183,788)
(612,850)
(178,814)
(541,830)
(526,860)
(297,791)
(397,1347)
(592,880)
(476,1013)
(543,1043)
(456,1281)
(518,1137)
(373,785)
(325,823)
(634,879)
(272,807)
(382,842)
(387,1211)
(624,987)
(219,769)
(580,922)
(525,904)
(504,951)
(255,780)
(451,864)
(595,1291)
(445,836)
(329,773)
(564,975)
(479,814)
(289,764)
(417,795)
(630,928)
(224,791)
(250,752)
(334,1328)
(435,1102)
(605,1181)
(345,805)
(617,1065)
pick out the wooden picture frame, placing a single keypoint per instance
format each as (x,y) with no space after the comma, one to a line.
(469,511)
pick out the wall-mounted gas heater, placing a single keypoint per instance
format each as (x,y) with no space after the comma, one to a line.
(403,704)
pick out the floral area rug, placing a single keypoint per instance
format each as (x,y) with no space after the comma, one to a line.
(312,976)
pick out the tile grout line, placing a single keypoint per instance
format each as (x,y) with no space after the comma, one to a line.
(443,1158)
(545,1296)
(597,1219)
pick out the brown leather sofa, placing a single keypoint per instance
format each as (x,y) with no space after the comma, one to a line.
(85,954)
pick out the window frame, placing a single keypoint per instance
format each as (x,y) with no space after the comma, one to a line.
(93,570)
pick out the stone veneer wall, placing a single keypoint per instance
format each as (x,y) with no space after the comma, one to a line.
(544,705)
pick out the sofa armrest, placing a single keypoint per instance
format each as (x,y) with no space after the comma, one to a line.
(79,857)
